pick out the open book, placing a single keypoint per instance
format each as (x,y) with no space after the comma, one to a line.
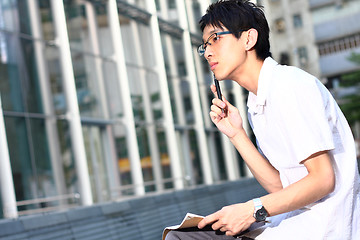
(190,220)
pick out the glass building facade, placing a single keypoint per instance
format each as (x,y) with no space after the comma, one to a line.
(103,100)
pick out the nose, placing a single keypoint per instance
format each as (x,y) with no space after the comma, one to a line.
(208,52)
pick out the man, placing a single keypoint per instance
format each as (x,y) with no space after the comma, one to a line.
(306,156)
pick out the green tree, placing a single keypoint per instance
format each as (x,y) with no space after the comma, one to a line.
(350,105)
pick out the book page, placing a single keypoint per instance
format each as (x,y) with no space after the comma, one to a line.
(190,220)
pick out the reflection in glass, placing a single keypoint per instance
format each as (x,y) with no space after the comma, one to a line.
(195,158)
(96,162)
(186,101)
(113,95)
(165,158)
(30,161)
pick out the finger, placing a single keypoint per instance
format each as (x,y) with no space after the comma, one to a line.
(207,220)
(218,103)
(215,118)
(229,106)
(216,109)
(213,89)
(216,113)
(219,226)
(229,233)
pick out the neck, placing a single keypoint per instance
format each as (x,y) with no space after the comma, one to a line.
(248,76)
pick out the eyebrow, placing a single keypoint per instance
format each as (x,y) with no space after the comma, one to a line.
(212,32)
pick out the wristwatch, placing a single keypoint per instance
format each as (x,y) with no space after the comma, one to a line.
(260,213)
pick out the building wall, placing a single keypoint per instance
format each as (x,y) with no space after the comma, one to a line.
(104,100)
(337,34)
(291,34)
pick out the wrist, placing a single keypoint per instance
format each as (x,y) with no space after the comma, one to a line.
(240,134)
(260,213)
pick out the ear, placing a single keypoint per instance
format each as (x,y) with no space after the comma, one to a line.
(252,36)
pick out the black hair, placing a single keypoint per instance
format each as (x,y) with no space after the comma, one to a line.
(237,16)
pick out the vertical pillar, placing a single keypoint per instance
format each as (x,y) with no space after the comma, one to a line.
(119,57)
(6,180)
(172,145)
(182,136)
(194,89)
(107,135)
(73,114)
(150,128)
(44,83)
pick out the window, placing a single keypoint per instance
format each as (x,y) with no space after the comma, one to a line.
(284,58)
(297,21)
(303,56)
(280,25)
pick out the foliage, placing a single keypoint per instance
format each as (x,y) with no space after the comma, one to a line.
(351,103)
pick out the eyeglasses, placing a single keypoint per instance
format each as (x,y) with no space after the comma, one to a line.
(210,41)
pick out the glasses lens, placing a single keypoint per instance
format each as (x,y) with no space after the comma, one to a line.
(201,50)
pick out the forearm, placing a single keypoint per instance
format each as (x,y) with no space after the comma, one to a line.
(295,196)
(260,167)
(319,182)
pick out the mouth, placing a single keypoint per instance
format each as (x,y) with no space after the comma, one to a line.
(213,65)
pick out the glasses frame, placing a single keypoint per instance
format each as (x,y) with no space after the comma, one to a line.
(201,49)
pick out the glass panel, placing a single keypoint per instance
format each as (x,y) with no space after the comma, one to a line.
(1,208)
(10,83)
(71,180)
(19,76)
(87,84)
(52,56)
(113,94)
(153,87)
(96,163)
(196,8)
(164,157)
(174,66)
(104,34)
(175,108)
(145,157)
(297,21)
(10,12)
(186,101)
(27,66)
(195,158)
(76,25)
(12,9)
(137,82)
(123,157)
(30,161)
(46,17)
(22,168)
(138,3)
(219,155)
(40,151)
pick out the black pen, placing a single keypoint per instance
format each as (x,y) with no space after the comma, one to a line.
(218,91)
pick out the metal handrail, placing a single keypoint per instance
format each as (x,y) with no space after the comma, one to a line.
(148,183)
(48,199)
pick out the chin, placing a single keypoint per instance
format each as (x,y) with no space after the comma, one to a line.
(219,77)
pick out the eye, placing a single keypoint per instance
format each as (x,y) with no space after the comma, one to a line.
(216,38)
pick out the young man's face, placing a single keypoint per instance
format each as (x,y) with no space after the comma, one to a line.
(224,52)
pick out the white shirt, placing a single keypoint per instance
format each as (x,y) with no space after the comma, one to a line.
(294,116)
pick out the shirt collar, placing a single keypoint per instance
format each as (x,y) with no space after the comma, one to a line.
(256,103)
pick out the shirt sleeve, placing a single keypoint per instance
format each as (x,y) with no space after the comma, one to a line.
(304,118)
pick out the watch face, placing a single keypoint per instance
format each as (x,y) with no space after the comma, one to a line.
(261,215)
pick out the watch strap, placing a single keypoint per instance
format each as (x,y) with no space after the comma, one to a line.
(257,204)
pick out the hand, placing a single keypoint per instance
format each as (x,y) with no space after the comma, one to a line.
(231,219)
(228,121)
